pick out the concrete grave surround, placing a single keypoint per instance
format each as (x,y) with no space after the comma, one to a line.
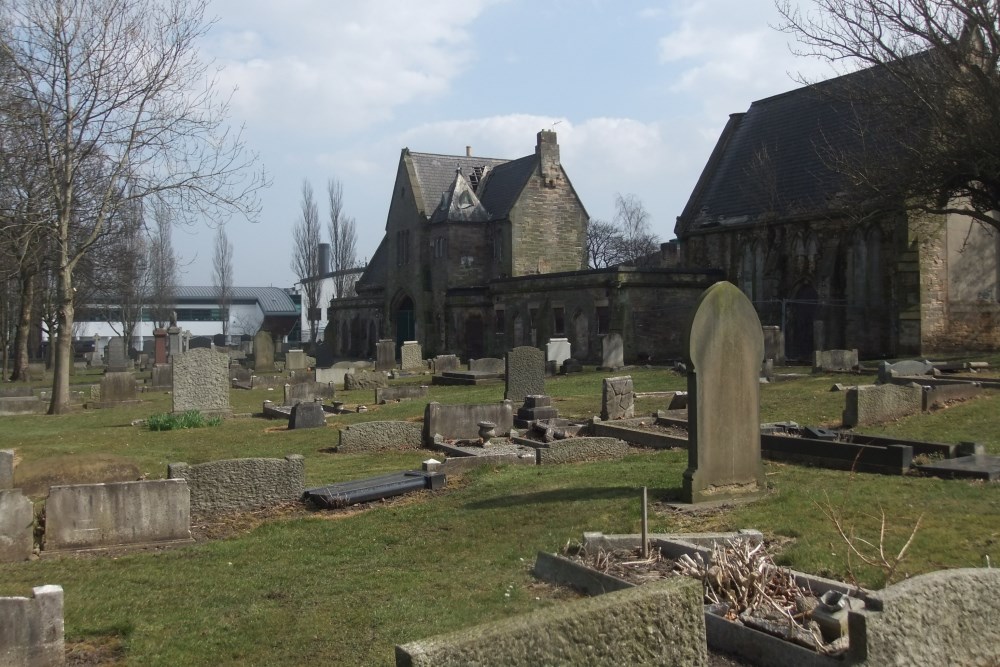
(385,355)
(307,414)
(612,352)
(525,371)
(487,365)
(365,379)
(32,631)
(461,422)
(380,437)
(6,469)
(117,388)
(725,346)
(241,484)
(295,360)
(618,398)
(661,623)
(574,450)
(88,516)
(308,391)
(16,391)
(907,367)
(400,393)
(263,351)
(557,351)
(201,382)
(411,356)
(17,522)
(874,404)
(835,360)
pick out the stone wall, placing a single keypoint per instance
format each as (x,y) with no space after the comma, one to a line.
(241,484)
(87,516)
(657,624)
(573,450)
(17,522)
(942,618)
(380,437)
(874,404)
(460,422)
(201,381)
(32,630)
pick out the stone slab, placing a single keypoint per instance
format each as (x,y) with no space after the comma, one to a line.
(200,381)
(308,414)
(977,466)
(17,522)
(373,488)
(234,485)
(32,630)
(379,436)
(6,469)
(617,398)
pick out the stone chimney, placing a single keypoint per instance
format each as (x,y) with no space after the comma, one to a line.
(547,150)
(468,151)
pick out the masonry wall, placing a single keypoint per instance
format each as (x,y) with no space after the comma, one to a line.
(241,484)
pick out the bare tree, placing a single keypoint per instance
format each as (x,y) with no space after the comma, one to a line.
(162,267)
(343,240)
(305,257)
(604,244)
(639,245)
(124,277)
(925,108)
(115,89)
(222,264)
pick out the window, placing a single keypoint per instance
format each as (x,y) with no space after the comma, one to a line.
(402,247)
(500,316)
(558,321)
(441,247)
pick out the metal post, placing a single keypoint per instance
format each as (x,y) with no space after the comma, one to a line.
(645,525)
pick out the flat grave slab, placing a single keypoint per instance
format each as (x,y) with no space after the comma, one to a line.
(977,466)
(356,491)
(466,378)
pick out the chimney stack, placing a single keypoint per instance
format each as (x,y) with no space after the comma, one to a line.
(468,151)
(547,150)
(323,255)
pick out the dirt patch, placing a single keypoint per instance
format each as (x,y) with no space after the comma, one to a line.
(95,650)
(35,477)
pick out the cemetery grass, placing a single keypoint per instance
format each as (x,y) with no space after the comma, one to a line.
(344,587)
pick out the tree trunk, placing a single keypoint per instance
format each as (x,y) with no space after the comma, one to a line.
(64,341)
(21,357)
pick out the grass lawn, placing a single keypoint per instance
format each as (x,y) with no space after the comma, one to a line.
(344,587)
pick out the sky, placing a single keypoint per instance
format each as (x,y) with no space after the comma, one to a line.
(637,93)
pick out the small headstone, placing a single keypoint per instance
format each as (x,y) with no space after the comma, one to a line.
(307,392)
(295,360)
(411,356)
(385,355)
(6,469)
(117,359)
(263,351)
(572,365)
(16,522)
(98,356)
(445,363)
(525,371)
(767,369)
(725,345)
(117,388)
(201,382)
(162,377)
(618,398)
(557,351)
(200,343)
(175,345)
(307,415)
(612,352)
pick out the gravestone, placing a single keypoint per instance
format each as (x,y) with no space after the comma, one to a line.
(525,371)
(557,351)
(175,346)
(618,398)
(98,357)
(365,379)
(307,414)
(835,360)
(6,469)
(117,359)
(445,363)
(905,368)
(295,360)
(774,344)
(411,356)
(117,388)
(725,346)
(16,523)
(201,382)
(161,377)
(333,375)
(385,355)
(612,352)
(307,392)
(263,350)
(200,343)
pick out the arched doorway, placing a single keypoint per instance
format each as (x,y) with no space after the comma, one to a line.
(406,323)
(800,321)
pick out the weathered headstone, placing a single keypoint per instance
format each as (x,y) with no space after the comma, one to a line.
(385,355)
(557,351)
(308,391)
(263,351)
(874,404)
(295,360)
(201,382)
(525,371)
(117,388)
(333,375)
(98,350)
(117,358)
(16,529)
(161,377)
(200,343)
(835,360)
(6,469)
(905,368)
(411,356)
(307,414)
(725,345)
(445,363)
(774,344)
(612,352)
(175,346)
(365,379)
(618,398)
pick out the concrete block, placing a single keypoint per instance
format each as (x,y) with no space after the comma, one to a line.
(873,404)
(241,484)
(17,519)
(380,436)
(31,629)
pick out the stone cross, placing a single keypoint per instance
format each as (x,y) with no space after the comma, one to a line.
(725,346)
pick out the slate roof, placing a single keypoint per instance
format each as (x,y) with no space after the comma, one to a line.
(273,301)
(375,273)
(774,158)
(436,174)
(503,185)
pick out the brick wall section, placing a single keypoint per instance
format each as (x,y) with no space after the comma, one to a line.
(241,484)
(201,381)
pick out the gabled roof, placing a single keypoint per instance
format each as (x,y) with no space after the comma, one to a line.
(375,273)
(503,185)
(775,159)
(436,174)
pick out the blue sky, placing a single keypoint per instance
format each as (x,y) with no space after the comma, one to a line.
(637,92)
